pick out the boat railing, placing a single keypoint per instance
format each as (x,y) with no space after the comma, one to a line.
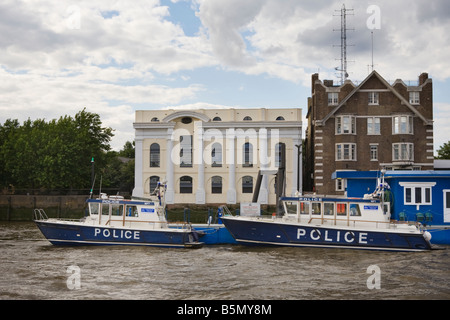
(349,222)
(180,224)
(39,214)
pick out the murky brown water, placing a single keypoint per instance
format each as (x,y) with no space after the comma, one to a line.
(32,268)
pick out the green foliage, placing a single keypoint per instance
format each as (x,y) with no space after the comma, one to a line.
(444,151)
(52,155)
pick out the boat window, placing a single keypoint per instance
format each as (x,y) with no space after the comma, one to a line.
(94,207)
(131,211)
(304,207)
(117,209)
(316,208)
(105,209)
(341,209)
(290,207)
(354,209)
(328,208)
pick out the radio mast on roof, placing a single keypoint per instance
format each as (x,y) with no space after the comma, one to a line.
(343,70)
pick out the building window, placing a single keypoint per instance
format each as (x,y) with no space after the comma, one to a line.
(247,184)
(278,154)
(373,126)
(333,98)
(186,120)
(345,125)
(280,118)
(341,184)
(216,155)
(154,120)
(418,193)
(414,97)
(247,118)
(154,155)
(373,98)
(402,151)
(185,151)
(216,184)
(217,119)
(247,155)
(373,152)
(186,184)
(402,125)
(345,152)
(153,183)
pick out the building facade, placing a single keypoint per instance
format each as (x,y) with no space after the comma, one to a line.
(214,155)
(364,127)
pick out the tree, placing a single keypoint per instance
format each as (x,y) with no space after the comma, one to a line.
(444,151)
(55,154)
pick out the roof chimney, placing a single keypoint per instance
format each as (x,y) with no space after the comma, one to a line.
(422,78)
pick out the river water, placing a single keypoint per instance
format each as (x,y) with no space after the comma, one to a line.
(32,268)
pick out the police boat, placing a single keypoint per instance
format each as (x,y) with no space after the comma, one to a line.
(113,220)
(331,222)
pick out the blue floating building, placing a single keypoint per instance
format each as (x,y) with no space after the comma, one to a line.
(415,196)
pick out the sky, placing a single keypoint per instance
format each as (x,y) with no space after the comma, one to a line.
(115,57)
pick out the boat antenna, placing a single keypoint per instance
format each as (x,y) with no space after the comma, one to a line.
(92,188)
(100,190)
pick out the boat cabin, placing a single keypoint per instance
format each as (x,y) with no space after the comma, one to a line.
(116,211)
(354,212)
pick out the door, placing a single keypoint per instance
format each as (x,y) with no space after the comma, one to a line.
(446,205)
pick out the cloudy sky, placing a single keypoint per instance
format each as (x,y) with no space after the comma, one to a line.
(115,57)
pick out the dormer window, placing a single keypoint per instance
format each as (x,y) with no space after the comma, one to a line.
(217,119)
(374,98)
(247,118)
(414,97)
(333,98)
(280,118)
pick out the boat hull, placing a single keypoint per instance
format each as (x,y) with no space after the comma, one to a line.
(266,232)
(72,234)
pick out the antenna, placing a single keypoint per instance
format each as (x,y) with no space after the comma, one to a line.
(372,49)
(371,65)
(343,45)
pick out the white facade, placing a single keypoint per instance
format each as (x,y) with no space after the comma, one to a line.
(214,155)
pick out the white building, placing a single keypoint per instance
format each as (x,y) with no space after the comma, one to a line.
(214,155)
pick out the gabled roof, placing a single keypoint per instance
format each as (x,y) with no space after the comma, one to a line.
(388,86)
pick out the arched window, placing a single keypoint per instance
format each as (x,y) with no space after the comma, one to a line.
(186,184)
(217,119)
(280,118)
(154,155)
(154,119)
(153,183)
(247,155)
(216,155)
(247,118)
(247,184)
(216,184)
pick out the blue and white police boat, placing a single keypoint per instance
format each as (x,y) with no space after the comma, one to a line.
(331,222)
(113,220)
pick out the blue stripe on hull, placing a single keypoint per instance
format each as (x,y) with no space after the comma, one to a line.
(280,234)
(73,234)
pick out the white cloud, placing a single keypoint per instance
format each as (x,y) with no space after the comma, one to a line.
(57,57)
(441,130)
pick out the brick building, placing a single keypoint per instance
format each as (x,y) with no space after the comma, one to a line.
(364,127)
